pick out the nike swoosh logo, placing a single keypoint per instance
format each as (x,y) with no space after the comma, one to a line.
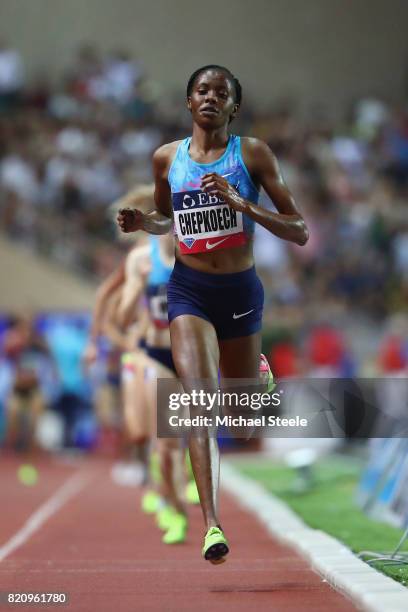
(243,314)
(230,174)
(211,245)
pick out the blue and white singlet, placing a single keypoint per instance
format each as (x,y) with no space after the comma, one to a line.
(203,221)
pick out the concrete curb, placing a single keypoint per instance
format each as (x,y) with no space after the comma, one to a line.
(367,587)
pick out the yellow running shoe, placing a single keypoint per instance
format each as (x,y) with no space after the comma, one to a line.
(215,546)
(150,502)
(176,533)
(164,517)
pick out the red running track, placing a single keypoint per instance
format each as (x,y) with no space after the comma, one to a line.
(108,557)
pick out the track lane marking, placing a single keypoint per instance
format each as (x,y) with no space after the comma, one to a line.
(67,491)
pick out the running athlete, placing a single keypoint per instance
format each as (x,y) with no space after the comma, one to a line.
(149,276)
(138,291)
(208,184)
(107,299)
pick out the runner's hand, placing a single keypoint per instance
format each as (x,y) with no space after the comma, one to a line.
(90,354)
(129,220)
(214,183)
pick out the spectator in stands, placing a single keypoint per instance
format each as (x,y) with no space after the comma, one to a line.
(11,77)
(29,359)
(61,164)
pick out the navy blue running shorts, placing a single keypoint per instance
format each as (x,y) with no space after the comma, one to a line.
(162,355)
(233,303)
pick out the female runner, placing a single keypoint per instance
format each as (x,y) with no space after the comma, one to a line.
(209,185)
(148,274)
(137,291)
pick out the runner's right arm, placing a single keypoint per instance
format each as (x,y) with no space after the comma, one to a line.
(159,220)
(136,270)
(110,329)
(103,295)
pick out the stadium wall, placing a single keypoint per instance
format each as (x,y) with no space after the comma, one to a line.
(318,51)
(32,283)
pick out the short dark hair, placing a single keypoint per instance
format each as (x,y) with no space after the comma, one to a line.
(233,79)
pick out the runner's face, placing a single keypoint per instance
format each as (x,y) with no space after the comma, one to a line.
(212,100)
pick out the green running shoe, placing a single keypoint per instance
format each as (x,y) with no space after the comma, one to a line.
(164,517)
(176,533)
(215,546)
(150,502)
(192,496)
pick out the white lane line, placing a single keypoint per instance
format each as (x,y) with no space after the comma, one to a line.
(68,490)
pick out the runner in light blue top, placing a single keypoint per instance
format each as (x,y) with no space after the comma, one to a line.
(207,187)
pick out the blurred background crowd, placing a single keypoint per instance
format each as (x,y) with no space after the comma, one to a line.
(337,306)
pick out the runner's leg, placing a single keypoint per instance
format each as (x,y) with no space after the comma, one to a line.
(196,356)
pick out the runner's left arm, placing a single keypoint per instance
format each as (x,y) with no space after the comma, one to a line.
(263,167)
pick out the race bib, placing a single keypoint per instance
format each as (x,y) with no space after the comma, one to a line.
(204,222)
(157,300)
